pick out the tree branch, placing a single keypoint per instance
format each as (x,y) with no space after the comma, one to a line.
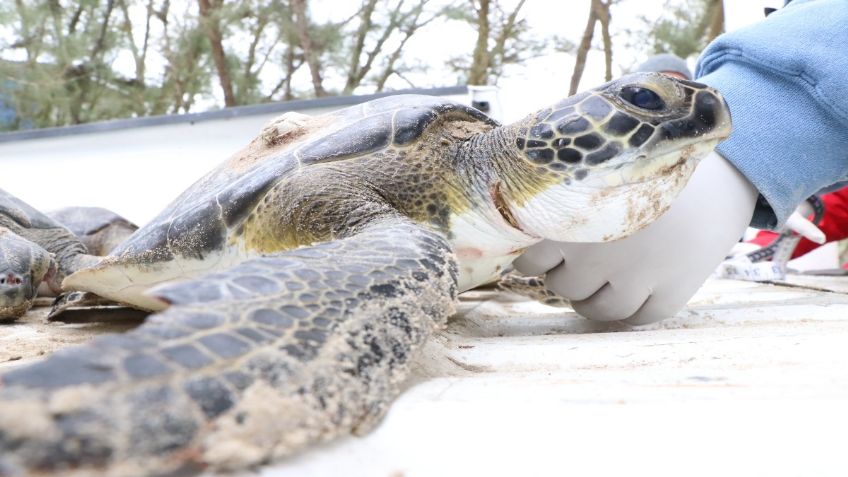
(498,52)
(212,27)
(367,11)
(100,44)
(394,21)
(261,23)
(602,11)
(302,25)
(583,50)
(478,74)
(716,15)
(408,32)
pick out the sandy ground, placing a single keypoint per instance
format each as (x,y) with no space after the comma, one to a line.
(33,337)
(750,379)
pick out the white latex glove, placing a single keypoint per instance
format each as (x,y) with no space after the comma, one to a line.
(651,274)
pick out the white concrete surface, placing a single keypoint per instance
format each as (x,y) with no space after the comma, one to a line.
(750,380)
(822,258)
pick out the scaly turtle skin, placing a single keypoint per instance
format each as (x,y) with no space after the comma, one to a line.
(99,229)
(27,240)
(23,266)
(302,275)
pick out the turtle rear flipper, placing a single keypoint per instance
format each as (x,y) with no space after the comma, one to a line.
(248,364)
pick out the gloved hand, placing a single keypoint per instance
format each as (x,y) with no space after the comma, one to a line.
(651,274)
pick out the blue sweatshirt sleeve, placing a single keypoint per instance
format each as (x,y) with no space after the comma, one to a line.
(786,82)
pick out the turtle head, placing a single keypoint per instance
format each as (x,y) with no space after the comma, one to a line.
(606,162)
(23,266)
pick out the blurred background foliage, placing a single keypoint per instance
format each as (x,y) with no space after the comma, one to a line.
(68,62)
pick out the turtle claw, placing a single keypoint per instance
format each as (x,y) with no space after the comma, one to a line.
(77,300)
(532,288)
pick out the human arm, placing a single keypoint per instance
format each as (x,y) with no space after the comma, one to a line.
(651,274)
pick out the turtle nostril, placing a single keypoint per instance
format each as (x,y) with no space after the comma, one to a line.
(10,279)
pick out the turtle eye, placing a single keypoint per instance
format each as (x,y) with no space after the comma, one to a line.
(642,98)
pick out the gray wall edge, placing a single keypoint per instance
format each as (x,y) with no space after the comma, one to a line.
(227,113)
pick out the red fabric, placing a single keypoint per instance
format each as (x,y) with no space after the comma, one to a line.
(834,224)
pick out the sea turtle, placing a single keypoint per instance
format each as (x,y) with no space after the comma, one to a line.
(302,275)
(33,249)
(99,229)
(23,266)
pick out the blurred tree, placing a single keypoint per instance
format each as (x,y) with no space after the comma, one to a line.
(378,22)
(291,60)
(604,17)
(85,60)
(73,61)
(68,74)
(264,23)
(211,12)
(185,51)
(310,54)
(138,83)
(599,12)
(686,28)
(502,39)
(246,37)
(73,87)
(391,64)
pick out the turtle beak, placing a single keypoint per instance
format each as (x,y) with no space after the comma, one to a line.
(709,122)
(710,103)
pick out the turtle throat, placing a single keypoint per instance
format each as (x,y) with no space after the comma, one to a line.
(502,206)
(510,179)
(486,236)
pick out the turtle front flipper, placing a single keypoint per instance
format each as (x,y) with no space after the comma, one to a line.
(533,288)
(247,364)
(78,301)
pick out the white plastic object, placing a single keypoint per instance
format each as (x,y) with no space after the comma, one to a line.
(803,227)
(487,99)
